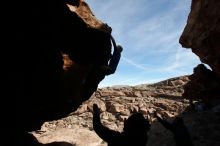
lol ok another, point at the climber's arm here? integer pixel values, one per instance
(113, 63)
(103, 132)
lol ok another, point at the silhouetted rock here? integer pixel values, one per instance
(202, 32)
(44, 34)
(202, 35)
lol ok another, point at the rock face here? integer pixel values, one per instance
(202, 35)
(202, 32)
(118, 103)
(51, 47)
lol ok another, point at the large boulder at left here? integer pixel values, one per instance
(41, 32)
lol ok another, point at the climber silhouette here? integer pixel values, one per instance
(134, 131)
(179, 130)
(113, 63)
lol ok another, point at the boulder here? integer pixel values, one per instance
(202, 32)
(51, 46)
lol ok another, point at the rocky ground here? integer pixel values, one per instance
(117, 103)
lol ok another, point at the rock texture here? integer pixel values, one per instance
(76, 136)
(117, 103)
(42, 84)
(202, 32)
(202, 35)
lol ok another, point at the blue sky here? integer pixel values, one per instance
(149, 32)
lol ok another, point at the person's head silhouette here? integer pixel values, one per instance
(136, 123)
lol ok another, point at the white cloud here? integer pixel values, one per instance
(149, 33)
(129, 61)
